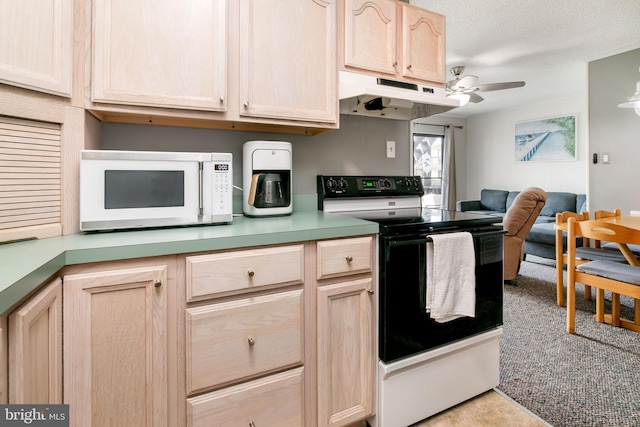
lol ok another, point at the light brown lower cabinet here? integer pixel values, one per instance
(278, 335)
(115, 346)
(35, 348)
(346, 360)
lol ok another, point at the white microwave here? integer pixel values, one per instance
(142, 189)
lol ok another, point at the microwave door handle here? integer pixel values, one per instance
(200, 188)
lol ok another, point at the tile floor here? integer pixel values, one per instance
(490, 409)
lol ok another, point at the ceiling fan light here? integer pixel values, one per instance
(462, 97)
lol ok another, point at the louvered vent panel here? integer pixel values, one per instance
(30, 190)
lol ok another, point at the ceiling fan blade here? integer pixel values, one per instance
(465, 83)
(475, 98)
(499, 86)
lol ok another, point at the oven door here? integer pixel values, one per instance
(405, 327)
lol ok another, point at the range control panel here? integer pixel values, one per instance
(334, 186)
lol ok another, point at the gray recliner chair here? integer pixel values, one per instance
(517, 222)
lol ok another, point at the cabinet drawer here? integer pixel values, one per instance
(234, 272)
(236, 340)
(272, 401)
(344, 256)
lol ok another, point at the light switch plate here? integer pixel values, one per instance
(391, 149)
(605, 158)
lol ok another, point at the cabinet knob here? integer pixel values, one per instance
(409, 67)
(246, 104)
(157, 283)
(222, 99)
(251, 341)
(395, 63)
(250, 273)
(252, 424)
(349, 258)
(370, 291)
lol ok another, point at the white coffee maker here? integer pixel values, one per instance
(266, 178)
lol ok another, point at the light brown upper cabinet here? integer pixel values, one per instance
(247, 65)
(288, 66)
(165, 53)
(393, 38)
(36, 41)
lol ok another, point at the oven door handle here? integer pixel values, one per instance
(423, 238)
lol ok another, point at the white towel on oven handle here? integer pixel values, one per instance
(451, 278)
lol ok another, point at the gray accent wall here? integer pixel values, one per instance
(357, 148)
(615, 131)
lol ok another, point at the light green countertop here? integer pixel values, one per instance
(26, 265)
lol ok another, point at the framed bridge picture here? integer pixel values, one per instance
(546, 140)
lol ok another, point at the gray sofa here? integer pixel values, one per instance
(541, 240)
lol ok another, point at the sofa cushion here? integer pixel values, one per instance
(485, 212)
(545, 219)
(545, 233)
(581, 203)
(494, 200)
(559, 202)
(511, 197)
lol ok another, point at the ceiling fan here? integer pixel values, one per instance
(465, 88)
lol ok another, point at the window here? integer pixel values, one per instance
(427, 163)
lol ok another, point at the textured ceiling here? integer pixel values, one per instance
(546, 43)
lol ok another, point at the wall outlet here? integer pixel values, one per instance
(605, 158)
(391, 149)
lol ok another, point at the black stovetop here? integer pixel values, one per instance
(429, 220)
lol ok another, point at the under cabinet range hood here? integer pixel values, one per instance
(366, 95)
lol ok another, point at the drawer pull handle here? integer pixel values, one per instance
(157, 283)
(370, 291)
(252, 424)
(251, 273)
(349, 258)
(251, 341)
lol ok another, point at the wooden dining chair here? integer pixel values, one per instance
(561, 255)
(615, 277)
(587, 251)
(601, 214)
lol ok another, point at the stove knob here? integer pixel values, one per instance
(386, 183)
(342, 184)
(331, 184)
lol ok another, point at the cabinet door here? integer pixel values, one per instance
(288, 60)
(35, 348)
(166, 53)
(346, 352)
(36, 39)
(423, 44)
(370, 35)
(115, 347)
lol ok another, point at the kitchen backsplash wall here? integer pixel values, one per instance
(357, 148)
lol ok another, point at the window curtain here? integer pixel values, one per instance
(448, 200)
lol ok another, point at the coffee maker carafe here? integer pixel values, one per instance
(267, 178)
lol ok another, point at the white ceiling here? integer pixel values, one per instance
(546, 43)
